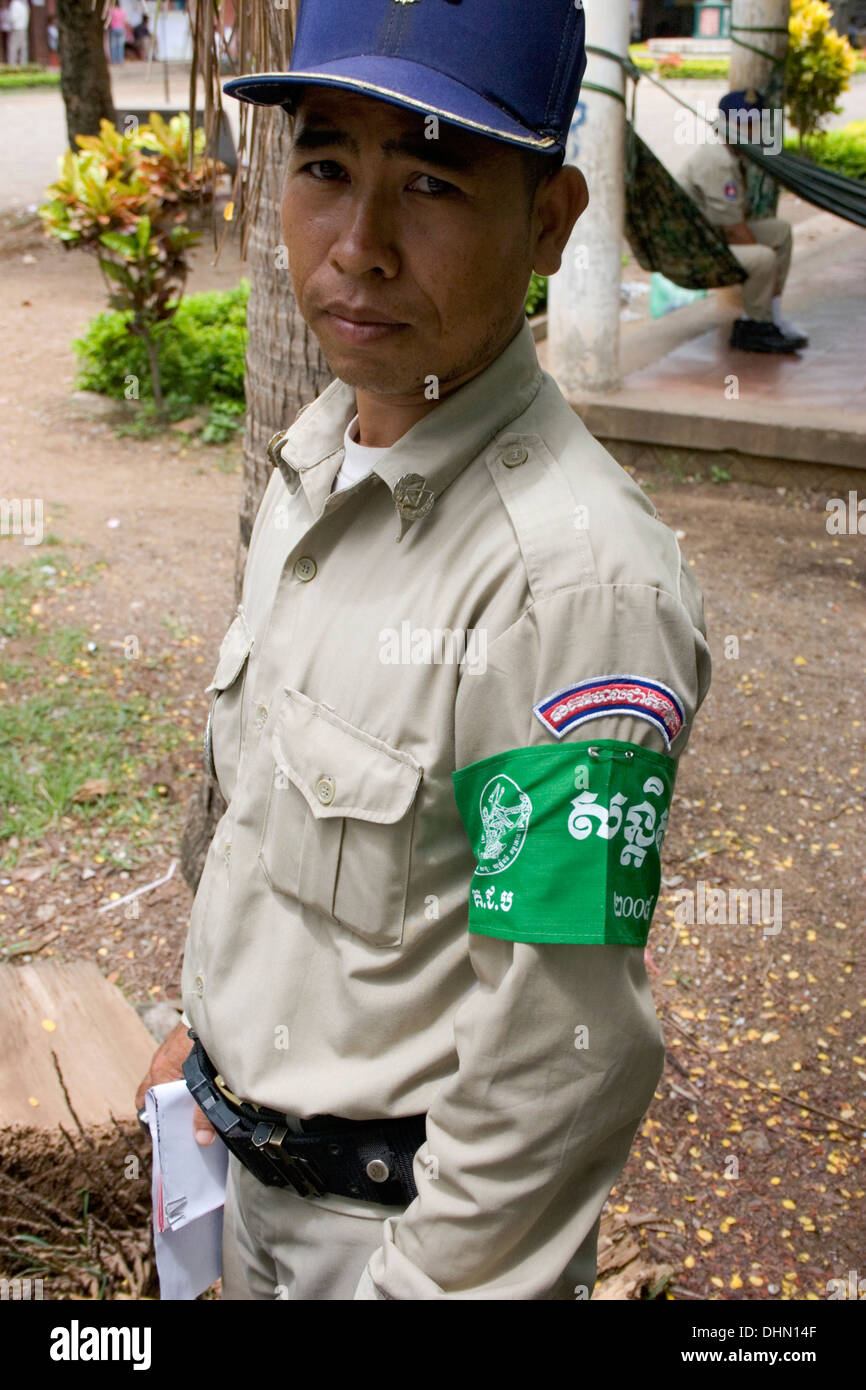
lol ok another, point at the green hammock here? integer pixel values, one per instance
(836, 193)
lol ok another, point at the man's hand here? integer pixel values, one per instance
(167, 1065)
(739, 234)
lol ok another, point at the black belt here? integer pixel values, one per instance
(370, 1160)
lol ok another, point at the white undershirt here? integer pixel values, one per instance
(358, 461)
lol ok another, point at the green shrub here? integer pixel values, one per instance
(843, 151)
(225, 418)
(694, 67)
(13, 79)
(201, 350)
(674, 66)
(536, 295)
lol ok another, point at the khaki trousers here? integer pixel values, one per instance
(767, 265)
(277, 1245)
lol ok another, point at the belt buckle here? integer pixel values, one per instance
(301, 1173)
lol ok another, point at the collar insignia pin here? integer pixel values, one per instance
(413, 499)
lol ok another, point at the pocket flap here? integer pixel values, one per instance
(370, 779)
(235, 648)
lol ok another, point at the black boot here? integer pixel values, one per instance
(749, 335)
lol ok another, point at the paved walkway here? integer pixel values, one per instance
(682, 385)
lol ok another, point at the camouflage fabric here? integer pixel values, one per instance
(667, 230)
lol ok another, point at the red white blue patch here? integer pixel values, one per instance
(730, 191)
(610, 695)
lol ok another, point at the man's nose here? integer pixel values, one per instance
(367, 237)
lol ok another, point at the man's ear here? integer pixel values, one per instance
(561, 201)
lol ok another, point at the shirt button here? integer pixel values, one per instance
(514, 455)
(378, 1171)
(198, 984)
(326, 790)
(305, 568)
(261, 716)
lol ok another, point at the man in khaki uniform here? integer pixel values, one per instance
(715, 176)
(446, 718)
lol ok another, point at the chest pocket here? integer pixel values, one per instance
(222, 739)
(338, 827)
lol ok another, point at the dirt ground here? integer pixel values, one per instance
(747, 1177)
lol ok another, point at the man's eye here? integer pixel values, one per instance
(436, 187)
(328, 169)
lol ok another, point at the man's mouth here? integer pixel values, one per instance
(361, 323)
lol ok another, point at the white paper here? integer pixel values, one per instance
(188, 1193)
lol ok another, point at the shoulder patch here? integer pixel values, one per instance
(603, 695)
(731, 191)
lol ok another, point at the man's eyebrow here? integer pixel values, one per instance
(313, 137)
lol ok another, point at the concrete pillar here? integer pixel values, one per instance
(583, 297)
(761, 24)
(749, 18)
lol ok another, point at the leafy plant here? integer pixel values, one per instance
(201, 351)
(122, 198)
(536, 296)
(843, 150)
(224, 420)
(819, 66)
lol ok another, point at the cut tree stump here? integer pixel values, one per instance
(102, 1047)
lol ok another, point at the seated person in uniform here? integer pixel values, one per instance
(715, 176)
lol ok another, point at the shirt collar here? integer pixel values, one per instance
(428, 457)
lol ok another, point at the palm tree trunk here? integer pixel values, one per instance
(84, 80)
(285, 370)
(285, 366)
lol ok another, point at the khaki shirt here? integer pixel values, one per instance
(715, 178)
(328, 968)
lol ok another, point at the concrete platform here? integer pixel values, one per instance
(683, 386)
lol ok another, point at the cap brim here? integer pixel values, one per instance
(401, 83)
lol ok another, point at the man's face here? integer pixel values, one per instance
(409, 256)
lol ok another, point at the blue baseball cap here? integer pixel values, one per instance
(501, 68)
(747, 100)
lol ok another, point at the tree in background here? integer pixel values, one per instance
(84, 81)
(284, 368)
(819, 67)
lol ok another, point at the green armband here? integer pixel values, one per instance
(567, 841)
